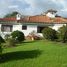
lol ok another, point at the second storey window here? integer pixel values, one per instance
(6, 28)
(24, 27)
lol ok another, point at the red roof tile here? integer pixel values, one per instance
(40, 19)
(37, 19)
(44, 19)
(8, 19)
(60, 20)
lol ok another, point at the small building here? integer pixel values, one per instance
(31, 23)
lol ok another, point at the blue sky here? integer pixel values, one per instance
(33, 7)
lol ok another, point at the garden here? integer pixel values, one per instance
(50, 51)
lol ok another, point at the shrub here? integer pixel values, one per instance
(49, 33)
(10, 42)
(0, 50)
(1, 40)
(7, 36)
(63, 33)
(18, 36)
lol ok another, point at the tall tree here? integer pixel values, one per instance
(13, 14)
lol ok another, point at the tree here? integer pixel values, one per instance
(49, 34)
(0, 50)
(13, 14)
(18, 36)
(1, 41)
(63, 33)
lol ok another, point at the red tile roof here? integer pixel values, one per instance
(44, 19)
(60, 20)
(8, 19)
(37, 19)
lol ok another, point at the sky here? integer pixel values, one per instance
(33, 7)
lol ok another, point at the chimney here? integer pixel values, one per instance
(18, 17)
(51, 13)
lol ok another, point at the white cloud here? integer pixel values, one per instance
(13, 6)
(64, 10)
(33, 7)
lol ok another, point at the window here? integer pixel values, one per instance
(24, 27)
(6, 28)
(39, 29)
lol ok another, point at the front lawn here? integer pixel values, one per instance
(35, 54)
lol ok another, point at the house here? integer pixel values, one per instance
(31, 23)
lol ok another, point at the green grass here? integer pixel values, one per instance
(35, 54)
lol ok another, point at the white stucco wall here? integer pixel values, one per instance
(57, 26)
(17, 27)
(30, 28)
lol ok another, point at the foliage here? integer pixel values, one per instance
(1, 40)
(13, 14)
(63, 33)
(0, 50)
(49, 33)
(10, 42)
(7, 36)
(18, 36)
